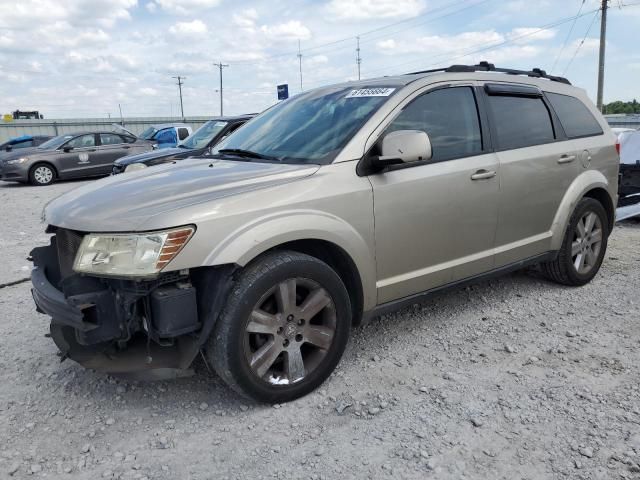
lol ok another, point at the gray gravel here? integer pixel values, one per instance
(514, 378)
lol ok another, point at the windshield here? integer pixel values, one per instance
(148, 133)
(201, 137)
(311, 127)
(55, 142)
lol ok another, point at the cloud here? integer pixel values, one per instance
(374, 9)
(245, 19)
(183, 7)
(291, 30)
(79, 13)
(100, 63)
(435, 44)
(193, 29)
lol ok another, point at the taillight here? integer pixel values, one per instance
(618, 146)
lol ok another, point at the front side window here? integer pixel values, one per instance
(110, 139)
(311, 127)
(55, 142)
(83, 141)
(575, 117)
(207, 132)
(520, 121)
(450, 117)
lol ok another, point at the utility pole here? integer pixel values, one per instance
(358, 59)
(603, 37)
(221, 66)
(180, 83)
(121, 119)
(300, 63)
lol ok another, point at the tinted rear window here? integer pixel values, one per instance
(521, 121)
(575, 117)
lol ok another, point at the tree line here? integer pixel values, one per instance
(622, 107)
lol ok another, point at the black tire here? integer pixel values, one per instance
(226, 348)
(40, 180)
(561, 269)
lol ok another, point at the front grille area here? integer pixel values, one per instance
(68, 243)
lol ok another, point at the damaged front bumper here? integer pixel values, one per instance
(116, 325)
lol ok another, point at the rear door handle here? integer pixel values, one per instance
(483, 174)
(566, 158)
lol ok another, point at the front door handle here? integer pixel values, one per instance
(483, 174)
(566, 158)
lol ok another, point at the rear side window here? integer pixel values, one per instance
(183, 133)
(110, 139)
(575, 117)
(450, 117)
(520, 121)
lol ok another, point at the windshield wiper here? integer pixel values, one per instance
(247, 153)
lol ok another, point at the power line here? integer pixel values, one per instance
(553, 68)
(593, 20)
(363, 34)
(490, 46)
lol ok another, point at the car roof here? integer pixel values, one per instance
(160, 126)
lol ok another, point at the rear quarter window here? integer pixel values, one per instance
(576, 119)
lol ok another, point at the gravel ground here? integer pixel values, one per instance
(514, 378)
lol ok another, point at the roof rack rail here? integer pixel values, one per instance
(490, 67)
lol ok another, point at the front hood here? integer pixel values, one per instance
(21, 152)
(131, 202)
(152, 155)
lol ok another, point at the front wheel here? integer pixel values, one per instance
(284, 328)
(41, 174)
(583, 247)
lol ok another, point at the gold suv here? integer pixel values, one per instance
(337, 204)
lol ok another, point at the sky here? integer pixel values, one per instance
(84, 58)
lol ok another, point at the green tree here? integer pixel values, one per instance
(622, 107)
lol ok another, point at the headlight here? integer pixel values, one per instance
(16, 161)
(132, 167)
(130, 255)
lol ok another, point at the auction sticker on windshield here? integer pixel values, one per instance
(370, 92)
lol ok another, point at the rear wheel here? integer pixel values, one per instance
(41, 174)
(284, 328)
(583, 247)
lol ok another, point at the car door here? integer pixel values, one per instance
(76, 157)
(112, 147)
(537, 165)
(435, 221)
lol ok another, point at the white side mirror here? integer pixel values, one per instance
(405, 146)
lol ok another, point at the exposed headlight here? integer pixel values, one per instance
(15, 161)
(132, 167)
(130, 255)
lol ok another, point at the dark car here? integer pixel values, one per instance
(24, 141)
(195, 145)
(74, 155)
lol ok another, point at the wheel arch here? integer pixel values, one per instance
(592, 184)
(321, 235)
(339, 261)
(48, 164)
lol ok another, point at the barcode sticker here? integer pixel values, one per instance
(370, 92)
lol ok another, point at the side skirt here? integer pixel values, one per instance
(421, 297)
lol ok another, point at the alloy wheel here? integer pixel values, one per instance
(43, 175)
(290, 331)
(587, 242)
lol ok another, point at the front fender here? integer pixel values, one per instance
(249, 241)
(585, 182)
